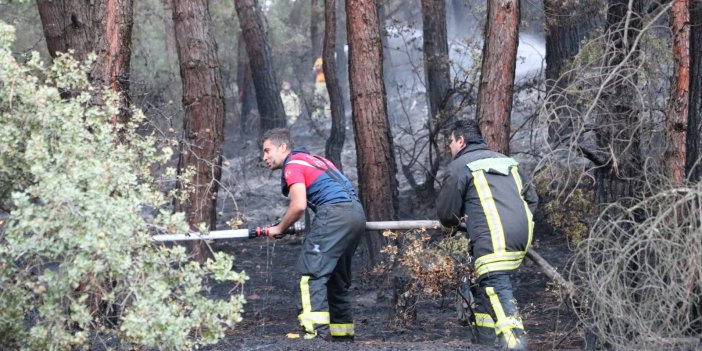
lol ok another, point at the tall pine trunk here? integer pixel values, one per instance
(618, 131)
(270, 106)
(694, 124)
(678, 104)
(103, 27)
(203, 123)
(247, 91)
(374, 144)
(337, 136)
(497, 73)
(568, 24)
(438, 80)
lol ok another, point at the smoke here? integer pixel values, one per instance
(403, 55)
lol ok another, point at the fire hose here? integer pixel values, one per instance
(299, 228)
(467, 303)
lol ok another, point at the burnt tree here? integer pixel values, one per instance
(247, 91)
(270, 106)
(497, 73)
(438, 84)
(203, 123)
(567, 24)
(67, 24)
(342, 61)
(678, 104)
(103, 27)
(337, 135)
(694, 124)
(374, 144)
(618, 131)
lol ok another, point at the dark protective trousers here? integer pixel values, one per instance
(496, 314)
(325, 268)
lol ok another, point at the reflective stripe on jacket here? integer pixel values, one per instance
(485, 188)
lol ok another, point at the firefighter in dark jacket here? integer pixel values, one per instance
(485, 190)
(324, 264)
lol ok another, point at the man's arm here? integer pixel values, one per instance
(529, 194)
(296, 208)
(449, 204)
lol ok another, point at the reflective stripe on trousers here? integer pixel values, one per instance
(496, 312)
(325, 268)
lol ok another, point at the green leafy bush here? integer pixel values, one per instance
(76, 262)
(568, 208)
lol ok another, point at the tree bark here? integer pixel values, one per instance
(342, 61)
(68, 25)
(694, 125)
(436, 57)
(247, 91)
(103, 27)
(676, 124)
(374, 144)
(270, 106)
(337, 135)
(497, 73)
(203, 123)
(567, 24)
(438, 83)
(113, 47)
(618, 123)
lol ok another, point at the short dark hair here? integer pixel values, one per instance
(278, 136)
(466, 128)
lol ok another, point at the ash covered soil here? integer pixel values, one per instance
(252, 192)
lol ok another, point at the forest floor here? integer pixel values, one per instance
(271, 313)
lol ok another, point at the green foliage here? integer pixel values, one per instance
(76, 261)
(566, 214)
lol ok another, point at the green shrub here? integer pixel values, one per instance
(76, 261)
(568, 208)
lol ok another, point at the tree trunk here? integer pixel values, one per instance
(436, 57)
(342, 60)
(374, 144)
(247, 91)
(438, 81)
(567, 25)
(103, 27)
(337, 135)
(68, 25)
(676, 124)
(113, 47)
(694, 142)
(203, 123)
(270, 106)
(619, 124)
(497, 73)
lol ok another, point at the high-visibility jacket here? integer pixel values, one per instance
(485, 189)
(318, 71)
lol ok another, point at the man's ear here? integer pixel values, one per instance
(461, 141)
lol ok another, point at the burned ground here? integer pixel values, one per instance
(271, 312)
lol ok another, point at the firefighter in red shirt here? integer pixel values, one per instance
(324, 264)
